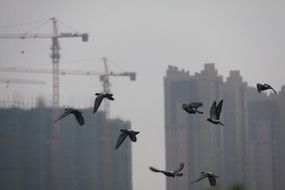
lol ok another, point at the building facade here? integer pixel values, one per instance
(87, 156)
(247, 150)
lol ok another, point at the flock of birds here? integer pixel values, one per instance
(98, 100)
(191, 108)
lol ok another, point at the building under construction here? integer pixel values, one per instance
(88, 159)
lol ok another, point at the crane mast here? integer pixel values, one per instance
(55, 51)
(106, 86)
(55, 56)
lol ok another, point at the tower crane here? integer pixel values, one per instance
(107, 85)
(55, 56)
(103, 76)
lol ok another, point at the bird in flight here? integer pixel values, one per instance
(192, 108)
(211, 177)
(124, 133)
(170, 173)
(215, 112)
(262, 87)
(78, 115)
(99, 98)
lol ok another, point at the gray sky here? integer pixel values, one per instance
(146, 37)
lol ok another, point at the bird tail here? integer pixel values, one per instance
(274, 91)
(109, 96)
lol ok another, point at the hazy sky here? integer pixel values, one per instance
(145, 37)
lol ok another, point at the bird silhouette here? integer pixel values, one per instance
(262, 87)
(215, 112)
(170, 173)
(124, 133)
(192, 108)
(99, 98)
(211, 177)
(78, 115)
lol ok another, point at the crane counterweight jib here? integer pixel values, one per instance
(132, 75)
(22, 81)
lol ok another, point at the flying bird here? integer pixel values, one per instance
(215, 112)
(262, 87)
(170, 173)
(211, 177)
(124, 133)
(78, 115)
(192, 108)
(99, 98)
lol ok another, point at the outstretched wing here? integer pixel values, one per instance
(154, 169)
(202, 177)
(97, 102)
(213, 113)
(121, 138)
(212, 180)
(270, 87)
(63, 115)
(267, 86)
(219, 109)
(79, 117)
(180, 167)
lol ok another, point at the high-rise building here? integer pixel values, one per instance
(247, 150)
(188, 137)
(87, 161)
(234, 112)
(280, 142)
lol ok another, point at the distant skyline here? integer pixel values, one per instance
(145, 37)
(248, 149)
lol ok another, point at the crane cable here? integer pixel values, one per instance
(36, 27)
(22, 24)
(67, 26)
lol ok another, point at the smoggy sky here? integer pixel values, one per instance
(145, 37)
